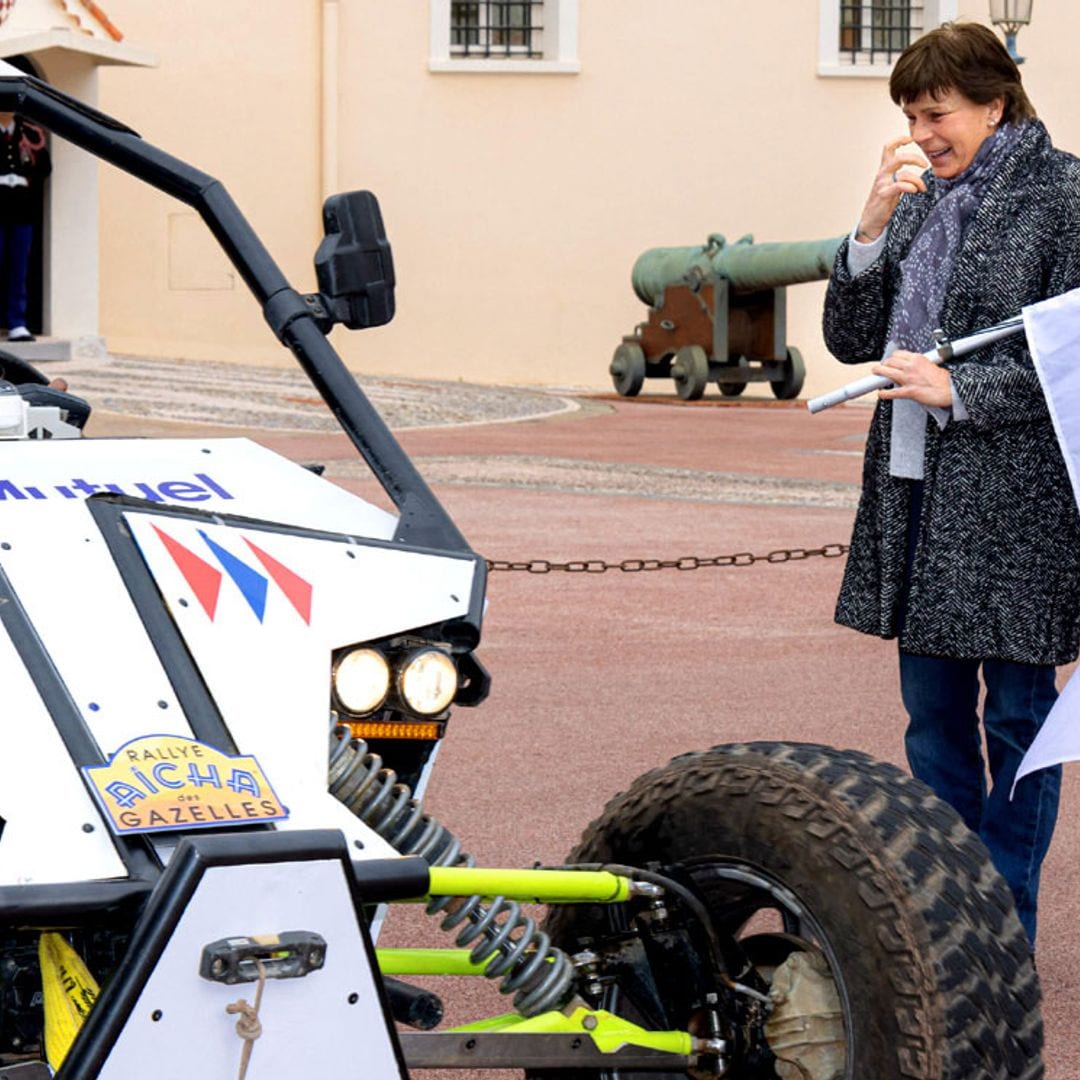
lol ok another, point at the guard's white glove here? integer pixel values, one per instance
(14, 180)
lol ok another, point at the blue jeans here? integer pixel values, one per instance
(944, 750)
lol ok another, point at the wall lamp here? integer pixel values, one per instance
(1010, 15)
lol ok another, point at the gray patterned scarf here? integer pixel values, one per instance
(925, 275)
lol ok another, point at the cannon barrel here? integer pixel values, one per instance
(748, 267)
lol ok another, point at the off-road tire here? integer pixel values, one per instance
(934, 968)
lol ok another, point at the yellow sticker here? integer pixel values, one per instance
(166, 782)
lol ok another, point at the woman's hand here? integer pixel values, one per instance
(915, 377)
(889, 185)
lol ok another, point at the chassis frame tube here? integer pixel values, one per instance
(539, 886)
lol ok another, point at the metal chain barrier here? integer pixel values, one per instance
(685, 562)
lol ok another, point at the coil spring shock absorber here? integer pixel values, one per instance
(500, 936)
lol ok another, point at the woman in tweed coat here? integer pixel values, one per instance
(967, 539)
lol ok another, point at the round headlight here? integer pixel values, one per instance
(428, 681)
(361, 680)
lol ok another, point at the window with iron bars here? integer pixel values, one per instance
(489, 29)
(877, 31)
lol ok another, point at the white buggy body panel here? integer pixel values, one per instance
(234, 476)
(260, 605)
(325, 1024)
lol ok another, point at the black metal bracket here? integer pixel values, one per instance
(26, 1070)
(316, 305)
(502, 1050)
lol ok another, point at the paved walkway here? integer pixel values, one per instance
(599, 677)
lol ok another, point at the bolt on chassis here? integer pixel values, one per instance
(224, 680)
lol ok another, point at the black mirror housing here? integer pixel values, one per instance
(353, 264)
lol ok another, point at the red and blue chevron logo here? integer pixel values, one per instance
(205, 579)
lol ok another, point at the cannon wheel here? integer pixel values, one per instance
(790, 385)
(734, 389)
(627, 369)
(889, 938)
(690, 372)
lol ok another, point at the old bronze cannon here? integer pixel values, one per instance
(718, 313)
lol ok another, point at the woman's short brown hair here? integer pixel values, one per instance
(967, 57)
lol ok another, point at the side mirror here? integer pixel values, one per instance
(353, 265)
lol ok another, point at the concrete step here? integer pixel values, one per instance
(86, 347)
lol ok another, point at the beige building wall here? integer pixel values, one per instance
(515, 204)
(235, 94)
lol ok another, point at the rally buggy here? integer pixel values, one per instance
(209, 763)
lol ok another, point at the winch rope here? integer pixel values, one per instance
(248, 1026)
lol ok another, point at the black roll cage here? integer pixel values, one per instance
(423, 521)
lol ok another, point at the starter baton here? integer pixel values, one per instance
(942, 351)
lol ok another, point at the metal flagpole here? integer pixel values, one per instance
(942, 351)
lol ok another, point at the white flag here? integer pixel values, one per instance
(1053, 334)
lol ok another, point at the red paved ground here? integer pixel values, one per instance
(599, 678)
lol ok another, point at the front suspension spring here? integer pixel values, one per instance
(501, 937)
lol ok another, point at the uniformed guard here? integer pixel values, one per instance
(24, 164)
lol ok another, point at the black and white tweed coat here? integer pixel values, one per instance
(996, 572)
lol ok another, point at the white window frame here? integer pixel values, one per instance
(560, 44)
(830, 63)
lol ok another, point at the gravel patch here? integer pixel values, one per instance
(283, 399)
(613, 478)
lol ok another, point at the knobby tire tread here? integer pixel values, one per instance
(953, 958)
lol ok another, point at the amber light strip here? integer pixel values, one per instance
(404, 729)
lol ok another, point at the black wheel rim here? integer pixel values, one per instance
(735, 892)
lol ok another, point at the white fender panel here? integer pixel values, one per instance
(43, 801)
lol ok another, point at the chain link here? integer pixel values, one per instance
(686, 562)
